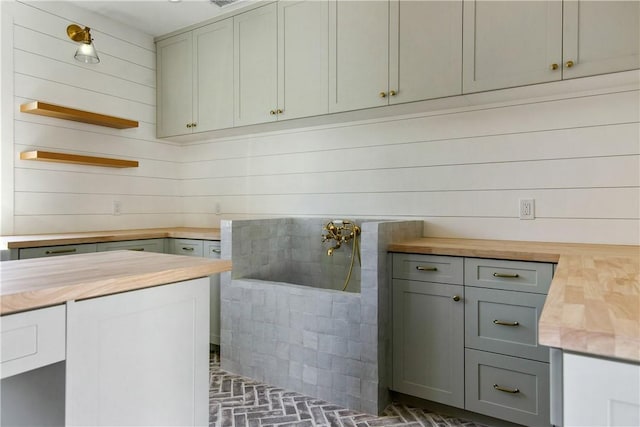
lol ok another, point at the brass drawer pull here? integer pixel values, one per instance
(503, 323)
(60, 251)
(506, 276)
(216, 251)
(188, 249)
(506, 390)
(137, 249)
(421, 268)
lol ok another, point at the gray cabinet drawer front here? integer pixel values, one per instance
(508, 275)
(188, 247)
(32, 339)
(487, 373)
(504, 322)
(212, 250)
(48, 251)
(145, 245)
(429, 268)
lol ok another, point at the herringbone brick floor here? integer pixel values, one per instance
(236, 401)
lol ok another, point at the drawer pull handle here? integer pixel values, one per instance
(216, 251)
(188, 249)
(421, 268)
(506, 390)
(137, 249)
(506, 275)
(60, 251)
(503, 323)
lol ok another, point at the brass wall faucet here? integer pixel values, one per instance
(342, 231)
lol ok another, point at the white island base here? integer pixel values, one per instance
(135, 358)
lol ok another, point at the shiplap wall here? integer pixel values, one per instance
(52, 197)
(462, 171)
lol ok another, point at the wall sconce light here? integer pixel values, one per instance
(86, 51)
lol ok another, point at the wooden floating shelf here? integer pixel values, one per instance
(59, 112)
(47, 156)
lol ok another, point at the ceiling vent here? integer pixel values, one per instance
(223, 3)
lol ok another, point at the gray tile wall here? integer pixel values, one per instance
(325, 343)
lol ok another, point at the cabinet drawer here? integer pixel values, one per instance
(428, 268)
(506, 387)
(188, 247)
(47, 251)
(32, 339)
(212, 249)
(146, 245)
(504, 322)
(508, 275)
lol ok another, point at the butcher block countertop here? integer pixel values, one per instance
(36, 240)
(593, 305)
(40, 282)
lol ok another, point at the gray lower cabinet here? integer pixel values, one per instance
(189, 247)
(49, 251)
(428, 329)
(465, 333)
(144, 245)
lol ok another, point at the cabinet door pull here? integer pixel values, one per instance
(554, 66)
(422, 268)
(194, 125)
(504, 323)
(137, 249)
(188, 249)
(216, 251)
(189, 125)
(279, 111)
(569, 64)
(456, 298)
(60, 251)
(506, 275)
(383, 94)
(392, 93)
(272, 112)
(506, 390)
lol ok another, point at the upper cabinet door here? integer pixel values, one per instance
(213, 76)
(600, 37)
(303, 55)
(425, 50)
(511, 43)
(256, 65)
(359, 54)
(175, 82)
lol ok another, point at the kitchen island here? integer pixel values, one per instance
(120, 337)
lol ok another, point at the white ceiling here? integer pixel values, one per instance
(158, 17)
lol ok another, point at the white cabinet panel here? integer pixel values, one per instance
(600, 37)
(359, 54)
(511, 43)
(140, 358)
(425, 50)
(303, 54)
(256, 66)
(213, 76)
(31, 340)
(175, 85)
(600, 392)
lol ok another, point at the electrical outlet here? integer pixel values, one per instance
(117, 207)
(218, 208)
(527, 208)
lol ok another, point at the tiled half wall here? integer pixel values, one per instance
(284, 323)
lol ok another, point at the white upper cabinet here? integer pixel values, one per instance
(511, 43)
(256, 65)
(213, 76)
(195, 80)
(600, 37)
(303, 55)
(425, 50)
(175, 81)
(359, 54)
